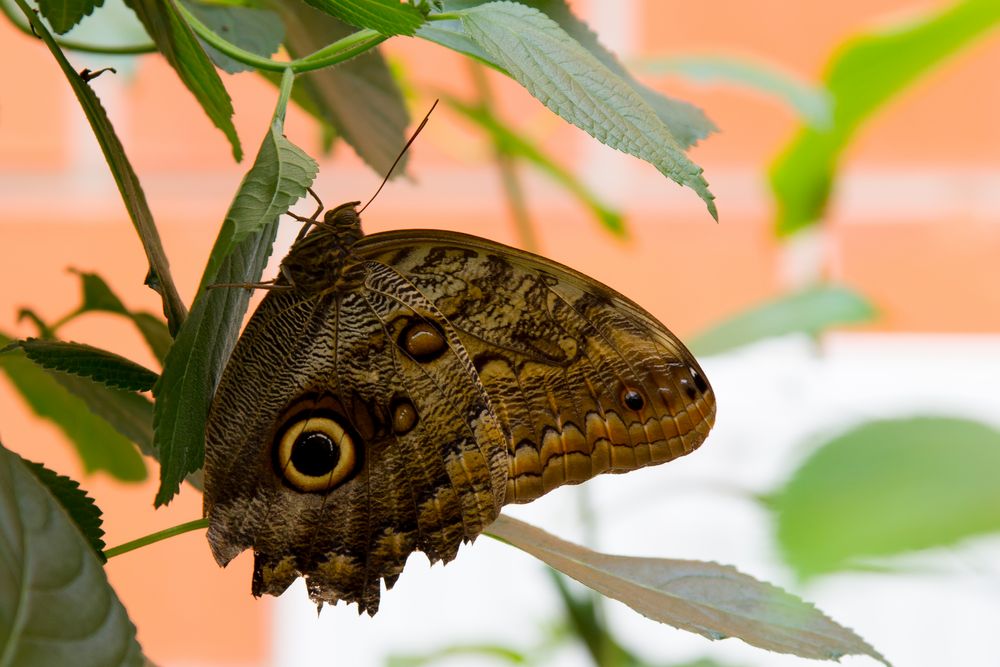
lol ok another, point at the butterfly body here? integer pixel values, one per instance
(394, 391)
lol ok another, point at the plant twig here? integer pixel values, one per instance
(180, 529)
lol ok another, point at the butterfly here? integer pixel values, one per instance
(392, 392)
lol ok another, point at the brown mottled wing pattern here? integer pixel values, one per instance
(461, 374)
(583, 380)
(428, 487)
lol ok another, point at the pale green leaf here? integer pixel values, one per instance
(686, 122)
(810, 311)
(810, 101)
(575, 85)
(715, 601)
(864, 74)
(889, 487)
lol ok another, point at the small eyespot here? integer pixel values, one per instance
(315, 454)
(632, 399)
(689, 391)
(423, 341)
(699, 380)
(404, 416)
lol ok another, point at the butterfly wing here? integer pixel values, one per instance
(427, 465)
(447, 376)
(583, 380)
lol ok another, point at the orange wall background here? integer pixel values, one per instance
(913, 227)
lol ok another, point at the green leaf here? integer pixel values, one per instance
(810, 311)
(279, 176)
(80, 507)
(686, 122)
(155, 331)
(889, 487)
(121, 169)
(98, 297)
(715, 601)
(105, 367)
(864, 74)
(500, 654)
(99, 445)
(575, 85)
(56, 605)
(389, 17)
(259, 31)
(62, 15)
(811, 102)
(510, 142)
(179, 45)
(359, 98)
(129, 413)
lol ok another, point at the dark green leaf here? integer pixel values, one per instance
(121, 169)
(389, 17)
(44, 330)
(80, 507)
(258, 31)
(811, 102)
(56, 606)
(888, 487)
(574, 84)
(865, 73)
(99, 445)
(810, 311)
(510, 142)
(280, 175)
(98, 297)
(359, 98)
(105, 367)
(129, 413)
(179, 45)
(155, 331)
(62, 15)
(686, 122)
(713, 600)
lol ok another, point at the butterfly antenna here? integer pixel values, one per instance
(400, 156)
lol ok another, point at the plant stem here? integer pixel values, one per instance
(156, 537)
(338, 52)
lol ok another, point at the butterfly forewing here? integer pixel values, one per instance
(583, 380)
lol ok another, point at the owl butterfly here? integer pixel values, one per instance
(392, 392)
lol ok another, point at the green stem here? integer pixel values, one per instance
(338, 52)
(156, 537)
(131, 50)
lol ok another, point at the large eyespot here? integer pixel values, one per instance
(316, 454)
